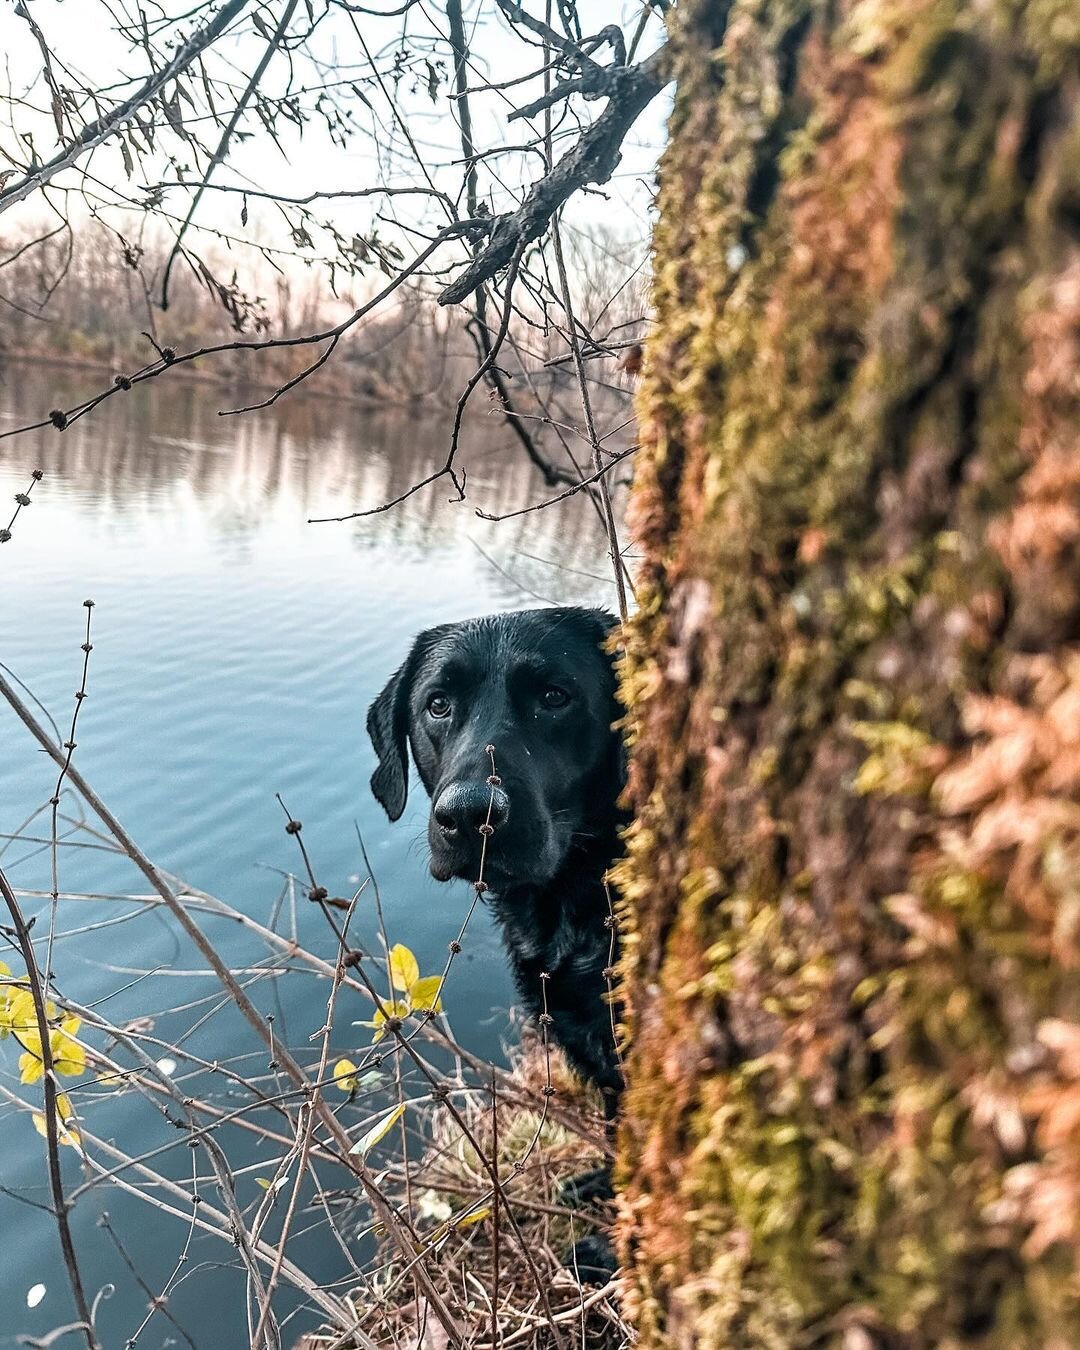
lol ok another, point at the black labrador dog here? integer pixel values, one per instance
(510, 721)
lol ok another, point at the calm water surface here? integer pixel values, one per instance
(235, 651)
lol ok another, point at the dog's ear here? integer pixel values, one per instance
(597, 626)
(388, 727)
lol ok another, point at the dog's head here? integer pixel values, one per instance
(539, 689)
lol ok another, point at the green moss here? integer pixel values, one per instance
(897, 761)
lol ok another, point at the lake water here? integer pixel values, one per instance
(236, 649)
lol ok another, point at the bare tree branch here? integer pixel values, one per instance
(562, 496)
(593, 159)
(226, 137)
(94, 133)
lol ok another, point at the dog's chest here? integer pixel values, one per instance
(560, 953)
(558, 958)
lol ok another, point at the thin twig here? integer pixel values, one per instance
(54, 801)
(94, 133)
(52, 1133)
(595, 477)
(226, 137)
(586, 407)
(255, 1019)
(22, 500)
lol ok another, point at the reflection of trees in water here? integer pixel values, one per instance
(142, 451)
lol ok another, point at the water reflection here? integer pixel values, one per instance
(236, 648)
(166, 448)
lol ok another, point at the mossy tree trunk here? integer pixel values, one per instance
(852, 893)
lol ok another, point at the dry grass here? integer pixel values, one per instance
(484, 1260)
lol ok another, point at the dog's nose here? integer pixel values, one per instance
(463, 808)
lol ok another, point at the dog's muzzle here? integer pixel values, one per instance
(465, 822)
(465, 809)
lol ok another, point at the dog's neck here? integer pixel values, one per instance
(562, 920)
(562, 942)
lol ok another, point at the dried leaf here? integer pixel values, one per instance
(379, 1130)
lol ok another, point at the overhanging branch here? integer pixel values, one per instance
(109, 123)
(593, 159)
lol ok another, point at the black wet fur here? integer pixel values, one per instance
(592, 1259)
(560, 772)
(587, 1188)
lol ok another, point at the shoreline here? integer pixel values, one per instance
(187, 372)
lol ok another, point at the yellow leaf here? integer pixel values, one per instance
(424, 994)
(404, 971)
(379, 1130)
(399, 1008)
(23, 1016)
(262, 1181)
(68, 1055)
(66, 1131)
(466, 1221)
(477, 1216)
(30, 1067)
(345, 1075)
(4, 969)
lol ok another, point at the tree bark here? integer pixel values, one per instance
(851, 898)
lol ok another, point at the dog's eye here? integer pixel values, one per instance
(554, 697)
(438, 705)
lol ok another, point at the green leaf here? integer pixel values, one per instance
(404, 970)
(379, 1130)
